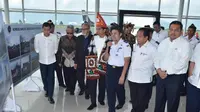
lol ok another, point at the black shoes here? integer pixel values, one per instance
(46, 94)
(91, 107)
(51, 101)
(87, 97)
(66, 90)
(119, 106)
(71, 93)
(62, 85)
(102, 103)
(81, 92)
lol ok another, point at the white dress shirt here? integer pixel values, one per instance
(173, 57)
(142, 67)
(118, 52)
(46, 47)
(193, 41)
(99, 43)
(195, 78)
(153, 42)
(160, 36)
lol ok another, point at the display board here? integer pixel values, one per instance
(20, 44)
(5, 74)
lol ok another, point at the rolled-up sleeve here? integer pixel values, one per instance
(36, 44)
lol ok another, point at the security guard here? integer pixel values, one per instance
(118, 53)
(141, 71)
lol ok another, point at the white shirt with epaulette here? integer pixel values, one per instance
(118, 52)
(142, 64)
(193, 41)
(195, 78)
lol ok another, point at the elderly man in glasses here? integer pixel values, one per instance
(66, 54)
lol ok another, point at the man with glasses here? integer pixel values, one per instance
(82, 44)
(171, 62)
(66, 56)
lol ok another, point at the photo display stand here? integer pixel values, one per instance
(10, 104)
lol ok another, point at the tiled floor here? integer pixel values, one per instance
(36, 102)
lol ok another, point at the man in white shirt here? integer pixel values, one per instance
(193, 86)
(171, 62)
(46, 44)
(158, 35)
(191, 37)
(58, 68)
(141, 71)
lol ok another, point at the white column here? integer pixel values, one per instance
(188, 8)
(86, 10)
(97, 5)
(6, 11)
(118, 11)
(56, 19)
(180, 12)
(23, 15)
(159, 4)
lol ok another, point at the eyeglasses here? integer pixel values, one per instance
(69, 33)
(85, 28)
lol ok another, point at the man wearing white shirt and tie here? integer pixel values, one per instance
(193, 86)
(171, 62)
(158, 35)
(46, 44)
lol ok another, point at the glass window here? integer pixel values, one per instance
(194, 8)
(110, 19)
(72, 5)
(39, 4)
(165, 22)
(195, 22)
(15, 3)
(69, 19)
(91, 5)
(185, 7)
(38, 18)
(16, 17)
(139, 5)
(105, 5)
(1, 4)
(169, 7)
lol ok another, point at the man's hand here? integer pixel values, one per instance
(75, 66)
(121, 80)
(162, 74)
(109, 44)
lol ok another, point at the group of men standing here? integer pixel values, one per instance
(118, 57)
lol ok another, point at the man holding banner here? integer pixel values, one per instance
(46, 44)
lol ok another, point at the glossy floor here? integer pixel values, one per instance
(36, 102)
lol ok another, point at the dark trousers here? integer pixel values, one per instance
(184, 83)
(59, 74)
(168, 89)
(193, 98)
(70, 77)
(140, 95)
(80, 75)
(113, 87)
(92, 87)
(47, 73)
